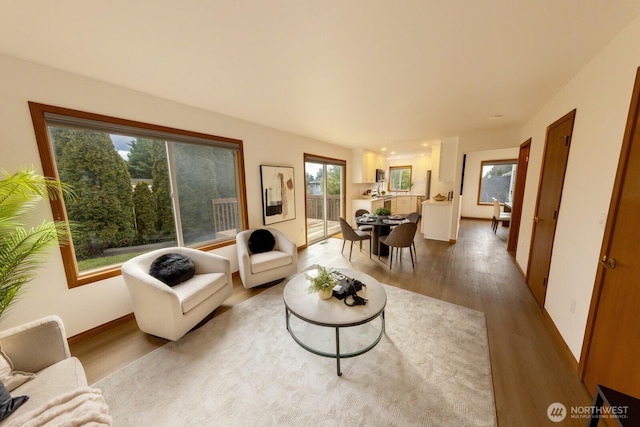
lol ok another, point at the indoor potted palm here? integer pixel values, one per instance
(321, 281)
(22, 248)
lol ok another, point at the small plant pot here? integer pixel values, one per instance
(326, 294)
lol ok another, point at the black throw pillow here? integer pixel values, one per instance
(172, 269)
(9, 404)
(261, 241)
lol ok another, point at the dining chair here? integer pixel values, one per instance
(498, 215)
(352, 235)
(414, 217)
(400, 237)
(359, 213)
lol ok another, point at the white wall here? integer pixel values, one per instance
(88, 306)
(601, 93)
(469, 206)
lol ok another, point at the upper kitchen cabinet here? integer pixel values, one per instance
(364, 166)
(448, 155)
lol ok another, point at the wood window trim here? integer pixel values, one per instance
(45, 150)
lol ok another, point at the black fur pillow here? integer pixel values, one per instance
(172, 269)
(9, 404)
(261, 241)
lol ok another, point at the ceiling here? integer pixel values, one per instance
(355, 73)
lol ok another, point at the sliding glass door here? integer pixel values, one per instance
(324, 179)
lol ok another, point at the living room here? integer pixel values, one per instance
(599, 89)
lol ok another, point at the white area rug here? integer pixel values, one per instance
(243, 369)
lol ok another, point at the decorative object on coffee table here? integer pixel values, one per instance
(321, 281)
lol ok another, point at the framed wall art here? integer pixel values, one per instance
(278, 194)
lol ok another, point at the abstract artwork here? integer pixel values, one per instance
(278, 194)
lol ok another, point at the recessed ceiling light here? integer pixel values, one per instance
(496, 117)
(426, 144)
(393, 152)
(383, 149)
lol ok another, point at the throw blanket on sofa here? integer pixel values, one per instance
(84, 406)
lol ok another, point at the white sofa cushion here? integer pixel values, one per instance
(62, 377)
(269, 260)
(199, 288)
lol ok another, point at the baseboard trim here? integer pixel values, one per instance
(558, 337)
(99, 329)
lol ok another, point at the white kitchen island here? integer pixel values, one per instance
(436, 220)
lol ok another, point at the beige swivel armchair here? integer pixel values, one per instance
(260, 268)
(170, 312)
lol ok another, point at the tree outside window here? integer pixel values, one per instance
(135, 192)
(497, 180)
(400, 178)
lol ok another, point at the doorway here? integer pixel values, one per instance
(611, 348)
(324, 201)
(554, 165)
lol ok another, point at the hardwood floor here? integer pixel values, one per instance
(530, 366)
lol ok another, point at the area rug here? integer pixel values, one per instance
(243, 368)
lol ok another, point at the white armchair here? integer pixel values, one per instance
(260, 268)
(170, 312)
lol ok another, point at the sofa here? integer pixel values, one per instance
(41, 347)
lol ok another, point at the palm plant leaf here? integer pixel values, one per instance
(23, 250)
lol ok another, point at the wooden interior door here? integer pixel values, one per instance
(611, 349)
(556, 155)
(518, 196)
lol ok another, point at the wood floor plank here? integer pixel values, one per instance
(530, 366)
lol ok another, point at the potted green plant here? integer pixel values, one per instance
(382, 212)
(22, 248)
(321, 281)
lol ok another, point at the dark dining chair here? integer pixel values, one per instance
(363, 227)
(414, 217)
(400, 237)
(352, 235)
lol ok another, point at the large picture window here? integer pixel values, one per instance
(497, 181)
(137, 187)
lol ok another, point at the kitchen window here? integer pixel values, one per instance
(400, 178)
(138, 187)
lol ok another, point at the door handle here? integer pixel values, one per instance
(536, 219)
(608, 263)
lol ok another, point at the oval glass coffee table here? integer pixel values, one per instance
(330, 328)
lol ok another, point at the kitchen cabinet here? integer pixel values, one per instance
(364, 165)
(394, 205)
(436, 220)
(375, 204)
(368, 204)
(404, 205)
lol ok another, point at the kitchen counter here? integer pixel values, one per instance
(432, 202)
(436, 219)
(388, 196)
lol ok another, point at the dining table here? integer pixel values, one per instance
(381, 226)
